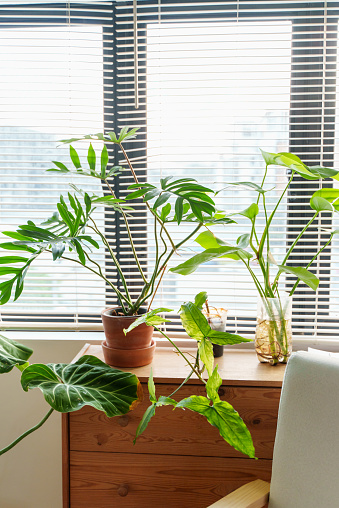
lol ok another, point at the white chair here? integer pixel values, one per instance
(305, 471)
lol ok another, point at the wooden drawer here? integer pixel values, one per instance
(159, 481)
(178, 432)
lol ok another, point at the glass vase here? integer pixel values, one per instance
(217, 320)
(273, 335)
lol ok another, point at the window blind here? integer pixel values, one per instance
(208, 84)
(56, 83)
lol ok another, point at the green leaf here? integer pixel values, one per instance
(321, 172)
(7, 260)
(193, 263)
(6, 291)
(208, 240)
(161, 199)
(151, 194)
(91, 157)
(213, 384)
(12, 354)
(200, 299)
(194, 322)
(163, 181)
(17, 246)
(104, 161)
(150, 319)
(80, 251)
(165, 211)
(61, 167)
(179, 209)
(206, 354)
(304, 275)
(250, 212)
(247, 185)
(74, 157)
(318, 204)
(150, 411)
(330, 194)
(136, 194)
(89, 381)
(243, 241)
(225, 338)
(223, 416)
(151, 388)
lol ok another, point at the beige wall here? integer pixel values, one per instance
(30, 473)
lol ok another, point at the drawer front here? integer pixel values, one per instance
(179, 432)
(105, 480)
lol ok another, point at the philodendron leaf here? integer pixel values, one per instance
(89, 381)
(206, 354)
(243, 241)
(151, 388)
(150, 319)
(150, 411)
(197, 327)
(247, 185)
(320, 204)
(250, 212)
(200, 299)
(224, 338)
(223, 416)
(207, 240)
(329, 194)
(193, 263)
(13, 354)
(194, 322)
(213, 384)
(304, 275)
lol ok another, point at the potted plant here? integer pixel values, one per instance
(273, 340)
(73, 227)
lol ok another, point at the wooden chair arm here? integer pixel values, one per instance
(252, 495)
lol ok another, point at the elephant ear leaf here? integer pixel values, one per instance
(13, 354)
(89, 381)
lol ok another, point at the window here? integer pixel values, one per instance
(208, 84)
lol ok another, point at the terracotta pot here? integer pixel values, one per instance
(128, 357)
(138, 338)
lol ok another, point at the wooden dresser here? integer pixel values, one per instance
(180, 461)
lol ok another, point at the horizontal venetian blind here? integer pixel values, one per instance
(208, 84)
(56, 82)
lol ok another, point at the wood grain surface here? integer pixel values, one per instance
(142, 481)
(176, 431)
(237, 367)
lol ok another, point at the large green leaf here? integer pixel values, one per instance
(304, 275)
(12, 354)
(193, 263)
(89, 381)
(197, 327)
(194, 322)
(320, 204)
(222, 415)
(250, 212)
(150, 319)
(330, 194)
(200, 299)
(207, 240)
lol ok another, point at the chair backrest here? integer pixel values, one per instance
(306, 451)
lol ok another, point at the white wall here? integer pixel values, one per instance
(30, 473)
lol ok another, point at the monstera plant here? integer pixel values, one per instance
(69, 387)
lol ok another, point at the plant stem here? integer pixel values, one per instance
(118, 293)
(263, 238)
(36, 427)
(292, 247)
(309, 264)
(116, 262)
(197, 373)
(129, 236)
(149, 208)
(156, 289)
